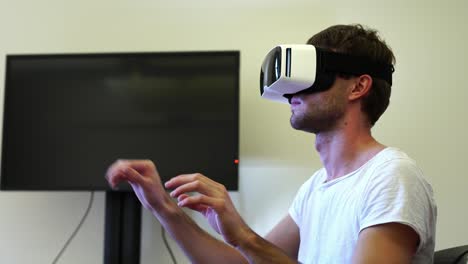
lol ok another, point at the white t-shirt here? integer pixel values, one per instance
(388, 188)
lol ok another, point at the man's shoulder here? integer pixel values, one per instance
(394, 167)
(394, 160)
(393, 154)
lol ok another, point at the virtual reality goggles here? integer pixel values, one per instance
(291, 69)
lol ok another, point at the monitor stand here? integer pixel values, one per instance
(122, 228)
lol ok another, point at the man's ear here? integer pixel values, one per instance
(361, 87)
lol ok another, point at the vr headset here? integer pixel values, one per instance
(291, 69)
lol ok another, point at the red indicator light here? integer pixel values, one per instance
(236, 161)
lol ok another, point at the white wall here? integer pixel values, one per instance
(426, 116)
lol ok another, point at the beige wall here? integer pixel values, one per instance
(426, 117)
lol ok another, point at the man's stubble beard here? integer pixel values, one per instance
(320, 117)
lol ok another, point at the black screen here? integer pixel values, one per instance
(68, 117)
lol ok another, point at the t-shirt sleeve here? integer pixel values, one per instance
(300, 200)
(397, 193)
(295, 210)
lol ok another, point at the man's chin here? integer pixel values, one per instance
(303, 127)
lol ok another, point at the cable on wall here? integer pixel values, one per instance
(163, 234)
(91, 199)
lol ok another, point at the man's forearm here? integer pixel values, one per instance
(258, 250)
(198, 245)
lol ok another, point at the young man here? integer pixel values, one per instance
(369, 204)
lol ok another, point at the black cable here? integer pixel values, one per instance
(91, 199)
(163, 234)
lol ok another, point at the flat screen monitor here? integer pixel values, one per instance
(67, 117)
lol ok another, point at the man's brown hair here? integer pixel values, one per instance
(360, 41)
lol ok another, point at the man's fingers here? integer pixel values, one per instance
(194, 186)
(183, 179)
(118, 170)
(202, 201)
(142, 166)
(122, 173)
(178, 180)
(202, 181)
(134, 176)
(182, 196)
(196, 207)
(114, 178)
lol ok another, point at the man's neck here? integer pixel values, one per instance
(345, 150)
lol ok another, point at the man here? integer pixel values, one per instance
(369, 204)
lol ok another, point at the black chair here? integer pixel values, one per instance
(455, 255)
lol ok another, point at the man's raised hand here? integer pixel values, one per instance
(212, 200)
(144, 178)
